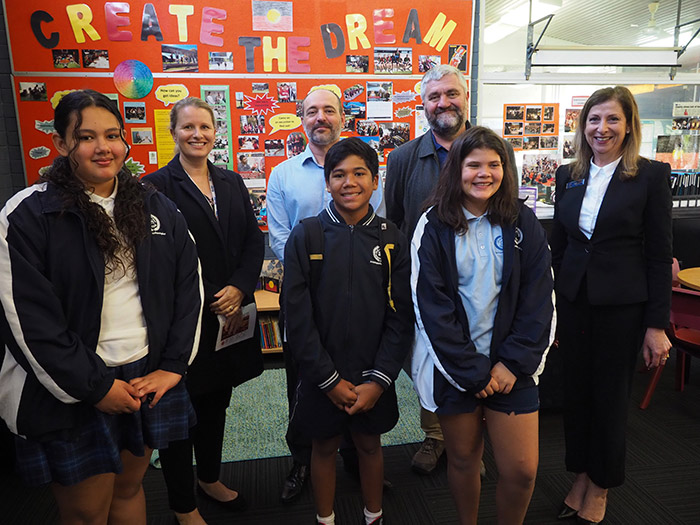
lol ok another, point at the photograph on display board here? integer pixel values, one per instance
(240, 98)
(221, 142)
(532, 128)
(515, 112)
(393, 134)
(548, 113)
(219, 157)
(548, 128)
(513, 128)
(296, 142)
(549, 142)
(571, 120)
(357, 63)
(531, 143)
(680, 151)
(287, 91)
(179, 58)
(457, 56)
(220, 111)
(353, 92)
(516, 142)
(252, 124)
(96, 58)
(393, 61)
(215, 97)
(533, 113)
(274, 148)
(367, 128)
(221, 61)
(260, 87)
(248, 142)
(686, 123)
(251, 165)
(134, 112)
(221, 127)
(66, 58)
(428, 62)
(141, 136)
(29, 91)
(569, 152)
(538, 171)
(258, 200)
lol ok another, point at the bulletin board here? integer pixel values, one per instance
(252, 60)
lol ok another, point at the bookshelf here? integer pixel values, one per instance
(268, 311)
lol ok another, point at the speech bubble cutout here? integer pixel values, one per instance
(284, 121)
(404, 96)
(403, 112)
(45, 126)
(39, 153)
(56, 97)
(171, 93)
(260, 105)
(416, 88)
(329, 87)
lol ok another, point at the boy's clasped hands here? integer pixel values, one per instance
(502, 381)
(355, 399)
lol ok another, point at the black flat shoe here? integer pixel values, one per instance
(238, 503)
(566, 512)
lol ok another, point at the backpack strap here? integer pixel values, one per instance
(313, 241)
(387, 238)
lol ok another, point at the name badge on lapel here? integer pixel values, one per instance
(574, 183)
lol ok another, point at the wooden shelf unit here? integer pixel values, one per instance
(268, 302)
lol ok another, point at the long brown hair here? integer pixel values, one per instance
(129, 212)
(631, 143)
(448, 196)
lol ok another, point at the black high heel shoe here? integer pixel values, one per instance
(566, 512)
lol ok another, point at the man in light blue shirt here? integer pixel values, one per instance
(297, 190)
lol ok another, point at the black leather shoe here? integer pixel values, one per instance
(239, 503)
(566, 512)
(294, 483)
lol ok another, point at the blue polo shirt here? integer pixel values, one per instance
(479, 256)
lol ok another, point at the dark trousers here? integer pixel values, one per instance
(206, 437)
(599, 345)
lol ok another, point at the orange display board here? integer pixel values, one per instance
(252, 61)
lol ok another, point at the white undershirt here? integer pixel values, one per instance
(598, 182)
(123, 336)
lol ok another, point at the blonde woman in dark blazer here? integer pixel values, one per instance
(230, 246)
(612, 254)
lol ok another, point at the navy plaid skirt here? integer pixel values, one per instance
(101, 439)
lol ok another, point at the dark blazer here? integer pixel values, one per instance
(629, 256)
(231, 251)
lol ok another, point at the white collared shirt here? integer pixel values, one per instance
(598, 182)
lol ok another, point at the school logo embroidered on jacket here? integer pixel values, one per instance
(518, 237)
(377, 254)
(155, 226)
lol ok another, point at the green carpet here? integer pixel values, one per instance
(256, 420)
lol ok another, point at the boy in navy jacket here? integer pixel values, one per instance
(349, 324)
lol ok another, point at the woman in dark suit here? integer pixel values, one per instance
(217, 208)
(612, 254)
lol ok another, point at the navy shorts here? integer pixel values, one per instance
(102, 437)
(524, 400)
(316, 417)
